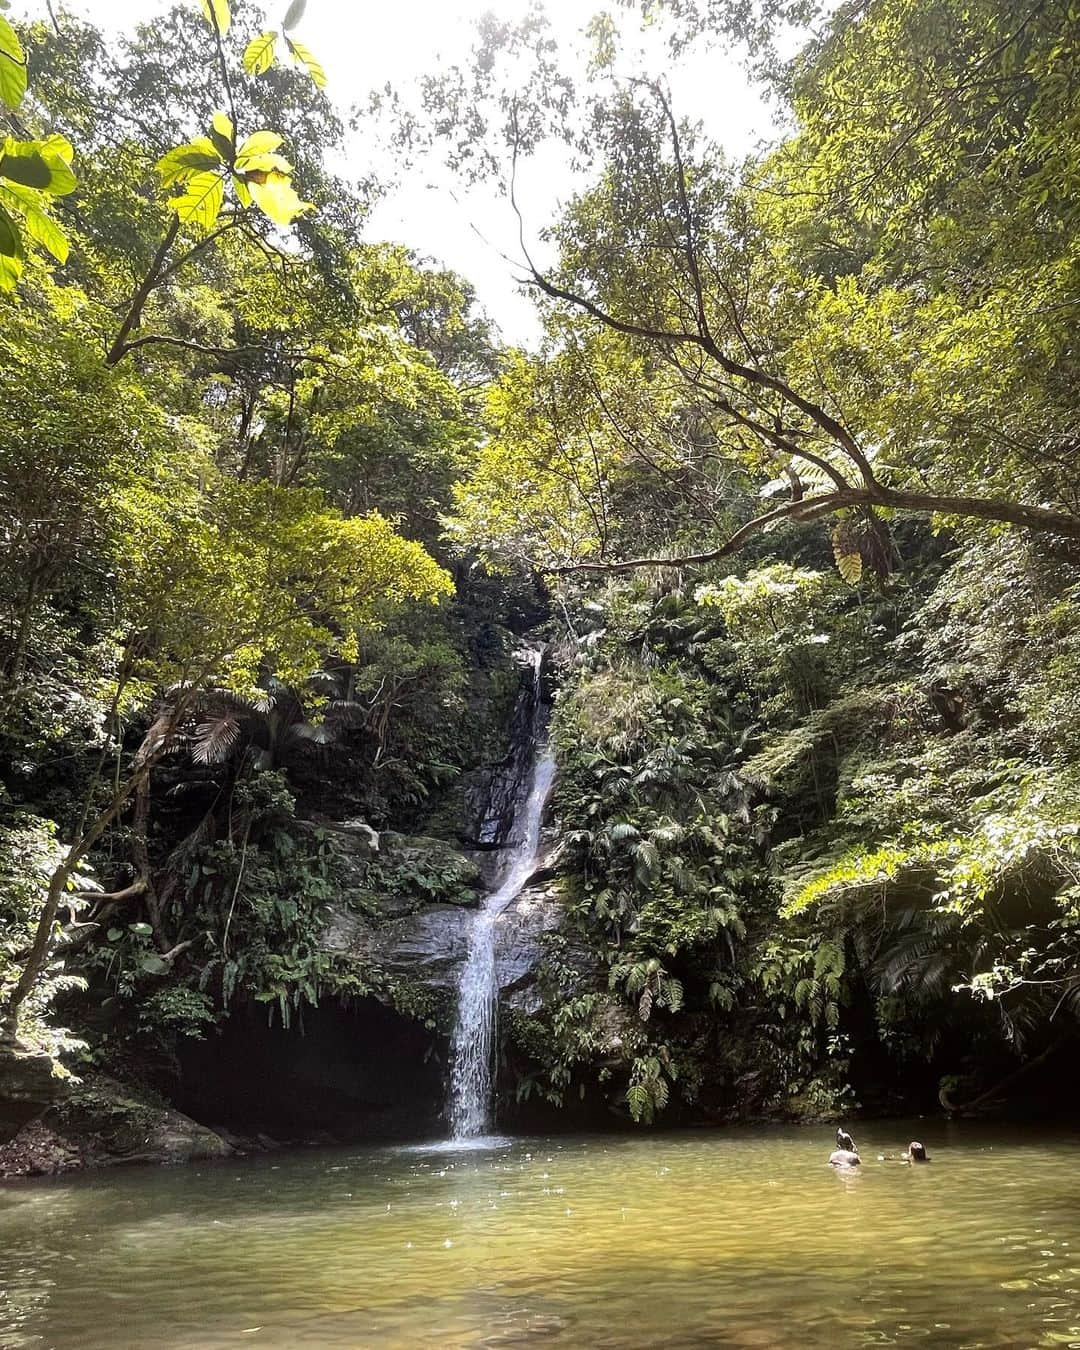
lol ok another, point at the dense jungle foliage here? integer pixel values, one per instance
(789, 485)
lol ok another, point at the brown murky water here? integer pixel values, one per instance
(710, 1238)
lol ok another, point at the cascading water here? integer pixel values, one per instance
(473, 1046)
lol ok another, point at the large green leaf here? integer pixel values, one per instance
(259, 53)
(44, 230)
(34, 164)
(202, 200)
(12, 66)
(243, 193)
(25, 164)
(198, 155)
(259, 143)
(59, 146)
(10, 242)
(38, 224)
(217, 14)
(263, 164)
(307, 59)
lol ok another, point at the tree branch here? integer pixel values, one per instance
(809, 508)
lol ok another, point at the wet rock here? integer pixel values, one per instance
(429, 869)
(358, 835)
(430, 945)
(37, 1151)
(427, 946)
(519, 942)
(494, 793)
(356, 838)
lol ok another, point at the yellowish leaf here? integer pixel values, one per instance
(202, 200)
(217, 14)
(259, 143)
(307, 59)
(275, 195)
(259, 53)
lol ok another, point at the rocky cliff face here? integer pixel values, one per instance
(428, 946)
(419, 940)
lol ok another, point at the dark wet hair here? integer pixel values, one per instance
(917, 1151)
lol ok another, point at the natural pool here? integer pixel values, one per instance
(706, 1238)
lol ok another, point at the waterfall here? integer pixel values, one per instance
(473, 1046)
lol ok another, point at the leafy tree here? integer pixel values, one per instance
(865, 356)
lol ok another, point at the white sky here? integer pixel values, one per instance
(366, 43)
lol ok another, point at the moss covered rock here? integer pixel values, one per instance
(101, 1121)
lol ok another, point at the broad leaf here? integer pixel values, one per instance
(259, 53)
(32, 164)
(243, 193)
(41, 227)
(223, 134)
(12, 66)
(198, 155)
(24, 163)
(294, 14)
(61, 179)
(275, 195)
(259, 143)
(59, 146)
(202, 201)
(37, 223)
(217, 15)
(263, 164)
(10, 242)
(307, 58)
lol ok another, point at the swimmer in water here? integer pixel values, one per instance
(914, 1153)
(846, 1153)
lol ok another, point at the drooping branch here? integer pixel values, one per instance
(809, 508)
(805, 509)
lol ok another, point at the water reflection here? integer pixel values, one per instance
(730, 1238)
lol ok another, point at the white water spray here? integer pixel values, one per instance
(473, 1046)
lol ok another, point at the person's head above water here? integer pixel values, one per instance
(916, 1152)
(844, 1140)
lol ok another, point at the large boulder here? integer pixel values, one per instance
(520, 932)
(101, 1122)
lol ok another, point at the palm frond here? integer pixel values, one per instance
(215, 738)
